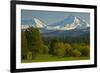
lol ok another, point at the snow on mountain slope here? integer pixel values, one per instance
(39, 23)
(70, 23)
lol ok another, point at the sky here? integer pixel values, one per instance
(49, 17)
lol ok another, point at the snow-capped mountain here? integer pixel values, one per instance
(39, 24)
(69, 23)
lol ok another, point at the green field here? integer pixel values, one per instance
(47, 59)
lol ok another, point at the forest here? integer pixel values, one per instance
(38, 48)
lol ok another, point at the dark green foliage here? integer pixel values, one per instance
(71, 40)
(39, 48)
(34, 42)
(24, 46)
(34, 34)
(52, 44)
(33, 37)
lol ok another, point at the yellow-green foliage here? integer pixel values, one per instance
(84, 49)
(76, 53)
(59, 49)
(69, 49)
(29, 55)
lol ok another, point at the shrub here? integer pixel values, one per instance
(76, 53)
(86, 51)
(29, 55)
(58, 49)
(69, 49)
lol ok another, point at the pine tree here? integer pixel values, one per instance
(35, 43)
(24, 46)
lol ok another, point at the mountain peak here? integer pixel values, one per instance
(69, 23)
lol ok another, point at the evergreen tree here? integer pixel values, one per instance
(24, 46)
(35, 43)
(52, 44)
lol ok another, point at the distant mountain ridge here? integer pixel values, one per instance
(70, 26)
(72, 22)
(69, 23)
(64, 33)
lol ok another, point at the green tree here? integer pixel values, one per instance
(57, 48)
(35, 43)
(86, 51)
(69, 49)
(77, 46)
(24, 46)
(76, 53)
(52, 44)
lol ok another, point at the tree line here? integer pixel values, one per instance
(32, 44)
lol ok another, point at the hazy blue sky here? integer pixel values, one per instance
(49, 17)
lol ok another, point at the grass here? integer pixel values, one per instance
(54, 58)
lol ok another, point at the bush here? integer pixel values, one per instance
(29, 55)
(76, 53)
(69, 50)
(79, 47)
(86, 51)
(58, 49)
